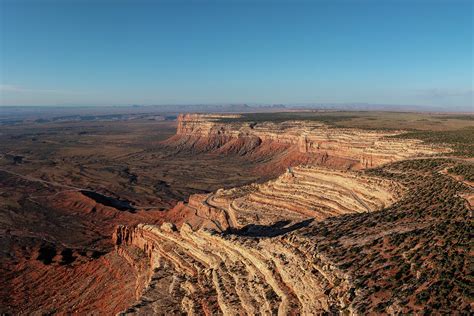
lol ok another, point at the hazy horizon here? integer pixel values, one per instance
(9, 110)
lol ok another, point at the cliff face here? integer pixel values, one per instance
(286, 254)
(300, 193)
(205, 272)
(314, 240)
(230, 256)
(365, 147)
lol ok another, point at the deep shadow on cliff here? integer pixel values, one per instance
(261, 231)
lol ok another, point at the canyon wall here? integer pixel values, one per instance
(300, 193)
(201, 272)
(272, 248)
(232, 256)
(367, 148)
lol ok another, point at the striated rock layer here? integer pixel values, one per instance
(410, 257)
(230, 275)
(230, 258)
(312, 241)
(364, 148)
(300, 193)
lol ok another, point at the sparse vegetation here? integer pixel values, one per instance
(280, 117)
(421, 238)
(460, 140)
(464, 170)
(365, 120)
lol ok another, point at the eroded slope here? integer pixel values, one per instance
(410, 256)
(300, 193)
(359, 148)
(243, 268)
(314, 240)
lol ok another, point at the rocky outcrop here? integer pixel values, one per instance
(367, 148)
(312, 241)
(224, 274)
(233, 259)
(395, 261)
(300, 193)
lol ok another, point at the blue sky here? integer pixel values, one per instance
(177, 52)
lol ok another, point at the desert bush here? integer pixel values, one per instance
(459, 140)
(464, 170)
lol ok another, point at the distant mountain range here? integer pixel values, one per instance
(17, 114)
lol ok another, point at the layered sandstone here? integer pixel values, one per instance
(215, 273)
(301, 192)
(306, 242)
(233, 261)
(367, 148)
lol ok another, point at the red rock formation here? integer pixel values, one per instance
(298, 141)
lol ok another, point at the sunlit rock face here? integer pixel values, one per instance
(328, 235)
(231, 257)
(368, 148)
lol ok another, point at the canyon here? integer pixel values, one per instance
(361, 148)
(268, 276)
(252, 249)
(231, 215)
